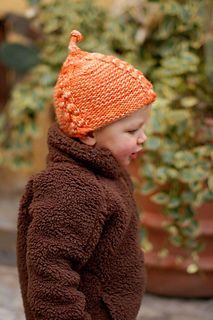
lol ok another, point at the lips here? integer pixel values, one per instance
(133, 156)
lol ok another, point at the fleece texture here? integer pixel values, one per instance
(78, 249)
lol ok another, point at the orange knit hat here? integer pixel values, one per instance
(94, 90)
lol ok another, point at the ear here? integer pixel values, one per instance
(89, 139)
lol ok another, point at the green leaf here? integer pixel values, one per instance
(189, 175)
(148, 187)
(184, 63)
(153, 143)
(209, 196)
(33, 2)
(147, 170)
(143, 234)
(196, 187)
(161, 175)
(191, 244)
(202, 151)
(187, 231)
(192, 268)
(176, 240)
(172, 213)
(209, 59)
(200, 246)
(168, 157)
(160, 198)
(188, 197)
(18, 56)
(183, 158)
(188, 102)
(171, 229)
(187, 215)
(174, 202)
(157, 127)
(203, 196)
(172, 173)
(210, 182)
(163, 253)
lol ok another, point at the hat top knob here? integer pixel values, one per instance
(75, 37)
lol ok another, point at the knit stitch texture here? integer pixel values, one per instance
(94, 90)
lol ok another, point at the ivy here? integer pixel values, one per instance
(169, 44)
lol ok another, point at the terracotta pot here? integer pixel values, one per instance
(167, 276)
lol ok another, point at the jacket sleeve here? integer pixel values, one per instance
(66, 224)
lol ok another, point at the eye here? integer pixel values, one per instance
(132, 131)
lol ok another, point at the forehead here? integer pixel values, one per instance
(138, 116)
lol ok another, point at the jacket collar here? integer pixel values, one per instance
(63, 148)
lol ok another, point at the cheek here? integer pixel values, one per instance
(126, 148)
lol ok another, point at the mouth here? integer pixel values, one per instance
(133, 156)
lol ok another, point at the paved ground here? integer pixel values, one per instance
(10, 300)
(153, 308)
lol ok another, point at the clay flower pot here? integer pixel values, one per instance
(167, 275)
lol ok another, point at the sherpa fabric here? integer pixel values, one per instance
(94, 90)
(78, 249)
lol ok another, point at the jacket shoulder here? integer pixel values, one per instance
(66, 178)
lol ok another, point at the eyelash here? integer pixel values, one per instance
(132, 131)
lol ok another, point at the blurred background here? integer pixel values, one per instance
(171, 42)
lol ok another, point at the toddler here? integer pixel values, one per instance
(78, 249)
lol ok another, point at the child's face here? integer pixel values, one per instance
(124, 137)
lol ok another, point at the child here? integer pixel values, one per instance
(78, 247)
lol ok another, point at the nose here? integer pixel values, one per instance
(141, 138)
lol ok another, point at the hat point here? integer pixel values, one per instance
(75, 37)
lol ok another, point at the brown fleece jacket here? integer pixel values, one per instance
(77, 246)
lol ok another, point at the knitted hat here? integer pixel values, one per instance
(94, 90)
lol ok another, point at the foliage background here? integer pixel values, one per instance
(171, 42)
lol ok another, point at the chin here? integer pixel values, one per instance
(125, 163)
